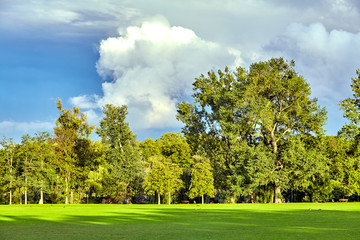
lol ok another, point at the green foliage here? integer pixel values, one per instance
(262, 107)
(202, 181)
(258, 132)
(175, 147)
(162, 176)
(351, 108)
(122, 150)
(71, 138)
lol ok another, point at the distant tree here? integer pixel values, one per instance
(27, 152)
(175, 147)
(351, 132)
(351, 108)
(148, 148)
(202, 181)
(8, 159)
(45, 157)
(71, 130)
(162, 177)
(122, 150)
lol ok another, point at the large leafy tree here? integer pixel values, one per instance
(267, 103)
(122, 150)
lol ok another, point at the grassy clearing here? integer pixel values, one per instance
(240, 221)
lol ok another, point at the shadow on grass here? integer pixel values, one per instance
(182, 223)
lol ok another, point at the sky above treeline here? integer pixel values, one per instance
(146, 54)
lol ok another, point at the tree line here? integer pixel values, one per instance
(249, 135)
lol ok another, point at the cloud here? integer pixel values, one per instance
(152, 67)
(8, 126)
(328, 60)
(85, 101)
(71, 15)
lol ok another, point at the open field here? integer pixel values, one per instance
(240, 221)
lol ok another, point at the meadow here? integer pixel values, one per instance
(187, 221)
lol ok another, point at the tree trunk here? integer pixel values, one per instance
(277, 189)
(25, 189)
(232, 198)
(66, 191)
(79, 196)
(277, 194)
(252, 197)
(169, 198)
(10, 201)
(128, 198)
(159, 200)
(71, 196)
(41, 201)
(202, 199)
(20, 196)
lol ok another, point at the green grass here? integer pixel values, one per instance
(240, 221)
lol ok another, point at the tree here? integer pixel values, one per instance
(175, 147)
(122, 151)
(351, 108)
(268, 103)
(202, 181)
(8, 155)
(351, 131)
(45, 157)
(149, 148)
(308, 168)
(27, 152)
(161, 177)
(71, 130)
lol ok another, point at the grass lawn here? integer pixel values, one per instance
(188, 221)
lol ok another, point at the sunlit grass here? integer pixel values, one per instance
(188, 221)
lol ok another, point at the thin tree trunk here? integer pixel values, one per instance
(159, 200)
(169, 198)
(66, 191)
(252, 197)
(25, 190)
(277, 189)
(202, 199)
(10, 201)
(79, 196)
(41, 201)
(20, 196)
(128, 198)
(232, 198)
(71, 196)
(277, 194)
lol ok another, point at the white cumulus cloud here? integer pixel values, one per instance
(327, 59)
(152, 67)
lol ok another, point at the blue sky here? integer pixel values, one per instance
(147, 54)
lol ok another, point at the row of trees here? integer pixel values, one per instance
(69, 167)
(249, 136)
